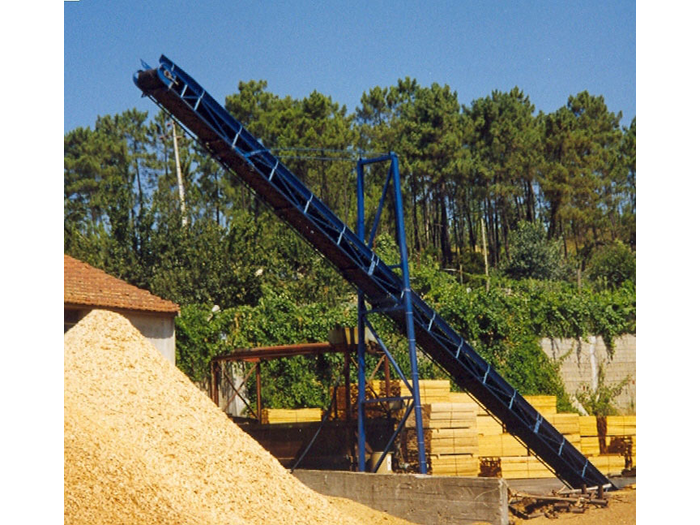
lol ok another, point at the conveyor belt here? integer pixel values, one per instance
(237, 150)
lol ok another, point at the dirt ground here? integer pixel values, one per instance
(622, 510)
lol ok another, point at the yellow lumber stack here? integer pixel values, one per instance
(464, 397)
(488, 426)
(501, 445)
(450, 436)
(588, 426)
(524, 467)
(566, 423)
(569, 426)
(621, 437)
(617, 436)
(545, 405)
(454, 465)
(451, 441)
(446, 415)
(297, 415)
(590, 444)
(431, 391)
(621, 426)
(460, 436)
(608, 463)
(513, 457)
(497, 448)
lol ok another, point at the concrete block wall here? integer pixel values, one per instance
(429, 500)
(580, 361)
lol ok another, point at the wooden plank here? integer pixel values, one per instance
(588, 426)
(501, 445)
(454, 465)
(590, 445)
(528, 467)
(446, 415)
(566, 423)
(464, 397)
(488, 426)
(621, 425)
(545, 405)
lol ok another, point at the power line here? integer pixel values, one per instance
(355, 154)
(306, 157)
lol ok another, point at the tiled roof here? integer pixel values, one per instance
(86, 285)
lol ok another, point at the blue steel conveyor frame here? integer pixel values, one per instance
(239, 151)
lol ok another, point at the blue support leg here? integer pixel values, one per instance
(361, 439)
(408, 306)
(361, 383)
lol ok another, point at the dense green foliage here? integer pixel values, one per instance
(555, 194)
(534, 256)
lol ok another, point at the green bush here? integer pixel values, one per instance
(505, 325)
(612, 265)
(533, 256)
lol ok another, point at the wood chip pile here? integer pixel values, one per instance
(143, 445)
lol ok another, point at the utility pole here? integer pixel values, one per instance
(486, 255)
(180, 185)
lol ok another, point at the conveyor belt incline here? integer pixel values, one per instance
(237, 150)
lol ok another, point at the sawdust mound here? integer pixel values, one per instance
(106, 482)
(143, 445)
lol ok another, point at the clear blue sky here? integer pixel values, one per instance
(549, 48)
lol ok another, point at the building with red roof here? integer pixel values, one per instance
(86, 288)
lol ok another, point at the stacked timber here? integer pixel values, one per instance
(296, 415)
(609, 441)
(608, 463)
(524, 464)
(620, 437)
(569, 426)
(502, 454)
(431, 391)
(545, 405)
(462, 438)
(621, 426)
(524, 467)
(446, 415)
(454, 465)
(449, 433)
(501, 445)
(590, 443)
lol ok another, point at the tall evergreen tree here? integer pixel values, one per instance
(582, 170)
(505, 144)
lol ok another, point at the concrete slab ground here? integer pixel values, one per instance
(417, 498)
